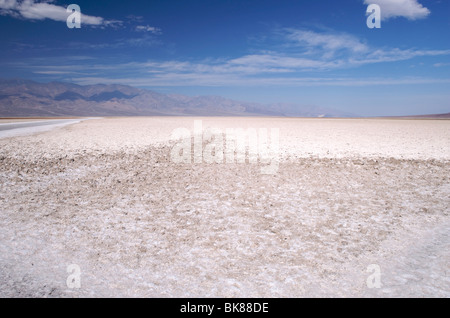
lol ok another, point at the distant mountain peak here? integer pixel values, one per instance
(23, 98)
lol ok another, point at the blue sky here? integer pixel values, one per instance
(314, 52)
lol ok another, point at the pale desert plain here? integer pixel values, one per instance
(348, 196)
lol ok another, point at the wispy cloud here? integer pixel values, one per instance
(410, 9)
(33, 10)
(211, 73)
(57, 72)
(441, 64)
(306, 52)
(168, 80)
(147, 28)
(325, 51)
(137, 42)
(330, 42)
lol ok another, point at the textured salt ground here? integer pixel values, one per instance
(139, 225)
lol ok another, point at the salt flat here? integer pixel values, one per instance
(104, 194)
(17, 127)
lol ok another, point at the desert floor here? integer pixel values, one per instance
(105, 195)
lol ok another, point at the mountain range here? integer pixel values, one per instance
(26, 98)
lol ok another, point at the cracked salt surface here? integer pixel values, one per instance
(103, 194)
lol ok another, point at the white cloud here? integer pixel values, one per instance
(167, 80)
(331, 42)
(285, 65)
(410, 9)
(441, 64)
(268, 68)
(325, 51)
(147, 28)
(275, 62)
(8, 4)
(29, 9)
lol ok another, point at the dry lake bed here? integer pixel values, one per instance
(351, 208)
